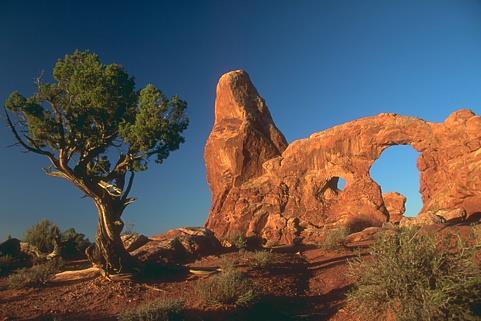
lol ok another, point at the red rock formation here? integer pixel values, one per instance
(395, 206)
(283, 194)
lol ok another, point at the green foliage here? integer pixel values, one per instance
(92, 106)
(73, 244)
(228, 287)
(162, 309)
(43, 235)
(259, 259)
(416, 277)
(157, 124)
(35, 276)
(333, 238)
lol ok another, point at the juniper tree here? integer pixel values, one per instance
(97, 131)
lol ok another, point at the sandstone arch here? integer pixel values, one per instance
(261, 186)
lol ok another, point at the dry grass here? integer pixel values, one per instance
(162, 309)
(35, 276)
(333, 239)
(230, 287)
(259, 259)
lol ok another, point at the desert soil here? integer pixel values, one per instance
(309, 284)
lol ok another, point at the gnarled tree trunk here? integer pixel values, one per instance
(108, 252)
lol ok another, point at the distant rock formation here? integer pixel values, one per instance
(395, 206)
(263, 187)
(10, 247)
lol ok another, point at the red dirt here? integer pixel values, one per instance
(307, 286)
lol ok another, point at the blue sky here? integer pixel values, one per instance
(317, 64)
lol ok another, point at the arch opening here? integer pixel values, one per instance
(332, 189)
(396, 171)
(336, 184)
(341, 183)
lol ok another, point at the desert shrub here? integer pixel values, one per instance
(333, 238)
(259, 259)
(238, 240)
(416, 277)
(228, 287)
(43, 235)
(389, 226)
(162, 309)
(35, 276)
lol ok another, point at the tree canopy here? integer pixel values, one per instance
(90, 111)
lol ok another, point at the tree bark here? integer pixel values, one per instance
(108, 252)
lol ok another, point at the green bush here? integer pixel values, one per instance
(35, 276)
(43, 235)
(228, 287)
(409, 276)
(333, 238)
(162, 309)
(259, 259)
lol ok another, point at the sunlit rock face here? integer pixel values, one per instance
(395, 205)
(261, 186)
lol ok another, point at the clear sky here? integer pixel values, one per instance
(317, 64)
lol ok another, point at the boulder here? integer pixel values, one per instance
(179, 246)
(365, 235)
(161, 252)
(286, 193)
(395, 206)
(456, 215)
(433, 217)
(424, 218)
(133, 241)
